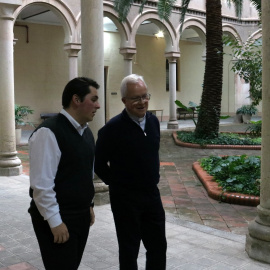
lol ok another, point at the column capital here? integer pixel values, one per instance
(72, 49)
(7, 8)
(172, 56)
(128, 52)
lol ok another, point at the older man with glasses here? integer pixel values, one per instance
(127, 159)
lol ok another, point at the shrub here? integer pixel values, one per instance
(235, 173)
(21, 112)
(247, 109)
(223, 139)
(255, 128)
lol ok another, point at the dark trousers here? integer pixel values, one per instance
(139, 216)
(65, 256)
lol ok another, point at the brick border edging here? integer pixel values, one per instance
(214, 146)
(215, 192)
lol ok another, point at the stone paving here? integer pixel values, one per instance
(190, 245)
(202, 233)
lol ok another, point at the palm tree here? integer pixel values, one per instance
(209, 115)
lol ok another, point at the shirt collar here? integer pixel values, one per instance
(135, 118)
(74, 123)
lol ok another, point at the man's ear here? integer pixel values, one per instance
(76, 99)
(124, 100)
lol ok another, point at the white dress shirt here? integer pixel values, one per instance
(45, 155)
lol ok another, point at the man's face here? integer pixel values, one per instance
(139, 106)
(89, 106)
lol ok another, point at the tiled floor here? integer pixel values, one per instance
(188, 199)
(190, 245)
(20, 266)
(183, 194)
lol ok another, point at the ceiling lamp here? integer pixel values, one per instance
(160, 34)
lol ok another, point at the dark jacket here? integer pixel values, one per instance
(73, 182)
(133, 154)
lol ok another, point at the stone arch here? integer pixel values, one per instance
(199, 27)
(62, 11)
(196, 61)
(235, 90)
(151, 15)
(232, 31)
(195, 24)
(124, 29)
(256, 35)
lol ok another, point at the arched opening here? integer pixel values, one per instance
(113, 66)
(233, 88)
(191, 65)
(41, 67)
(150, 61)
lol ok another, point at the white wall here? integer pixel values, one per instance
(151, 63)
(228, 87)
(74, 6)
(115, 63)
(40, 68)
(192, 72)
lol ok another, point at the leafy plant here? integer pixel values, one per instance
(247, 63)
(20, 113)
(192, 107)
(255, 128)
(222, 139)
(235, 173)
(247, 109)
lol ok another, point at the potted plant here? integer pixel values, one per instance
(247, 111)
(20, 113)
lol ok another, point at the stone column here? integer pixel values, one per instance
(10, 164)
(172, 58)
(204, 56)
(93, 64)
(128, 54)
(93, 53)
(258, 238)
(73, 49)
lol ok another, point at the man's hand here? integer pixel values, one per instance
(92, 215)
(60, 233)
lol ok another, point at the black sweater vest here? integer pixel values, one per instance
(73, 182)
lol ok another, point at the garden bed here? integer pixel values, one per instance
(214, 146)
(215, 192)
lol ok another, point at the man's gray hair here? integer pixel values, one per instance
(132, 79)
